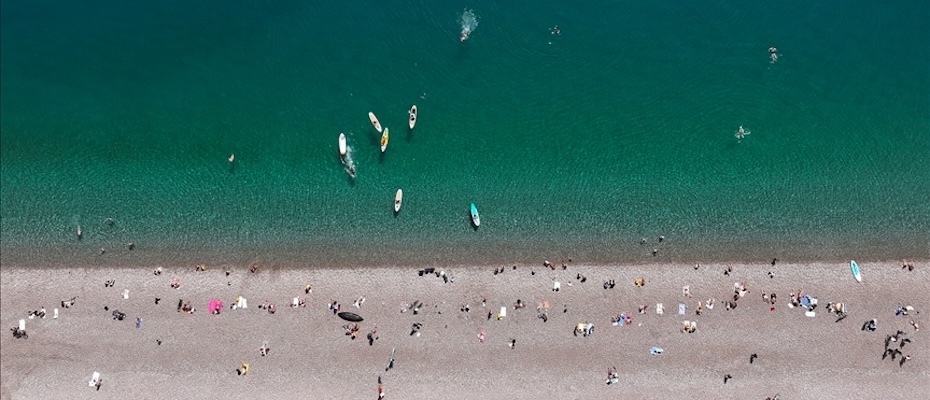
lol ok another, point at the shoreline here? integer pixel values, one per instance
(478, 251)
(799, 357)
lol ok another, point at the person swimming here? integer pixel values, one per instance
(773, 54)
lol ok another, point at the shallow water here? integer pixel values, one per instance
(571, 145)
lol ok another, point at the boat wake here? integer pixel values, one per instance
(348, 163)
(469, 22)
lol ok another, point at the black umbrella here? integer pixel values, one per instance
(351, 317)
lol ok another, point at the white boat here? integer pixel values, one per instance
(475, 219)
(384, 139)
(342, 144)
(374, 121)
(413, 116)
(398, 199)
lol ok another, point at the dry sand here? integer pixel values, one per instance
(311, 357)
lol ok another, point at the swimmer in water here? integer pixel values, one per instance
(556, 31)
(773, 54)
(741, 133)
(464, 36)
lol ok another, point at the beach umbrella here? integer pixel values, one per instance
(350, 316)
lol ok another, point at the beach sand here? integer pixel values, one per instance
(311, 357)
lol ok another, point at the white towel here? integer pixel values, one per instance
(660, 308)
(125, 294)
(681, 308)
(22, 324)
(93, 381)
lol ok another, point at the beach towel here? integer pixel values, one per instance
(94, 379)
(681, 308)
(22, 324)
(503, 313)
(55, 313)
(660, 309)
(125, 294)
(655, 350)
(810, 313)
(556, 286)
(295, 302)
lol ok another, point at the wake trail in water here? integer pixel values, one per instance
(348, 163)
(469, 22)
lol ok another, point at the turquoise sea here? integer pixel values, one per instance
(571, 145)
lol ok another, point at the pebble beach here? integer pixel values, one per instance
(310, 355)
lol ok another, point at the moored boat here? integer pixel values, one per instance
(413, 116)
(475, 218)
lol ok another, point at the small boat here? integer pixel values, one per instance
(413, 116)
(384, 139)
(855, 270)
(342, 144)
(475, 219)
(232, 157)
(374, 121)
(398, 199)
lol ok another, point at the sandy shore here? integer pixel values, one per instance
(311, 357)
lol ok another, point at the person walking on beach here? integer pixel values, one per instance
(380, 388)
(903, 359)
(726, 378)
(752, 357)
(391, 361)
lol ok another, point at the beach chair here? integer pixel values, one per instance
(94, 379)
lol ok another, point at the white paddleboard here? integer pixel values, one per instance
(398, 199)
(374, 121)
